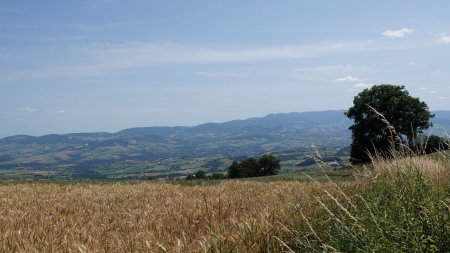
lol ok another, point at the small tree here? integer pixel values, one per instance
(200, 174)
(269, 165)
(234, 170)
(384, 115)
(250, 168)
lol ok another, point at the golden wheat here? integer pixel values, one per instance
(233, 216)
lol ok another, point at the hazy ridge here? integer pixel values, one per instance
(272, 133)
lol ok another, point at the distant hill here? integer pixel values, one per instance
(441, 123)
(81, 152)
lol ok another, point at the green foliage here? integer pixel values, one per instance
(190, 177)
(406, 208)
(435, 143)
(217, 176)
(396, 214)
(429, 144)
(269, 165)
(234, 170)
(266, 165)
(200, 174)
(404, 117)
(250, 168)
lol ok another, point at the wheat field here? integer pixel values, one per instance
(392, 206)
(232, 216)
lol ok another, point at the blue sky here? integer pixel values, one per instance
(105, 65)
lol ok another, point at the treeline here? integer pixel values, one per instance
(266, 165)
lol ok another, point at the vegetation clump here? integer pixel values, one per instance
(267, 165)
(429, 144)
(200, 174)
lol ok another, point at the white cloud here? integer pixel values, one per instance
(423, 88)
(60, 111)
(444, 38)
(434, 92)
(395, 34)
(348, 79)
(28, 109)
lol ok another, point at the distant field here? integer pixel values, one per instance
(168, 168)
(170, 152)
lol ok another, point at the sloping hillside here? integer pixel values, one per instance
(84, 154)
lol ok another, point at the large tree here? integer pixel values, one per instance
(384, 115)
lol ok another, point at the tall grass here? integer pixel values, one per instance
(402, 205)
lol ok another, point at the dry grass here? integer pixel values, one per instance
(398, 205)
(389, 206)
(233, 216)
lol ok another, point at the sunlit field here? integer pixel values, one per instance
(392, 205)
(149, 216)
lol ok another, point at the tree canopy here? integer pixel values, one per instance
(265, 166)
(383, 116)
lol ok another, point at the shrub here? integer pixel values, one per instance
(217, 175)
(429, 144)
(200, 174)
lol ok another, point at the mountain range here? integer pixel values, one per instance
(85, 154)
